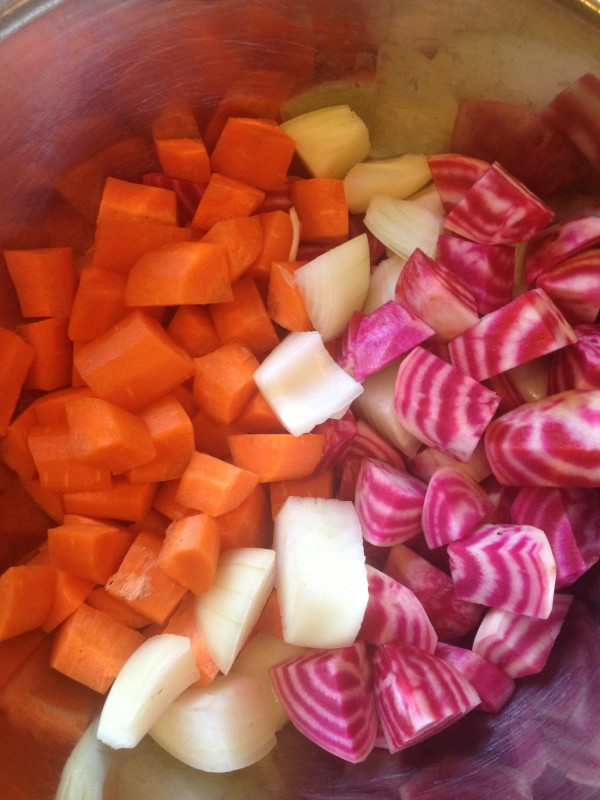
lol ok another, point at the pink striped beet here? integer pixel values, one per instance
(498, 209)
(453, 174)
(450, 616)
(583, 510)
(369, 443)
(389, 503)
(574, 285)
(417, 694)
(395, 614)
(577, 366)
(434, 294)
(505, 566)
(574, 111)
(428, 459)
(559, 242)
(487, 269)
(518, 644)
(454, 505)
(492, 684)
(441, 405)
(550, 442)
(543, 508)
(528, 327)
(339, 435)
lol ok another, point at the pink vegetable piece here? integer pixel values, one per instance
(505, 566)
(518, 644)
(328, 695)
(559, 242)
(492, 684)
(395, 614)
(576, 112)
(499, 209)
(550, 442)
(368, 443)
(454, 174)
(543, 508)
(583, 510)
(417, 694)
(454, 506)
(428, 459)
(434, 294)
(450, 616)
(441, 405)
(574, 285)
(339, 434)
(487, 269)
(577, 366)
(389, 503)
(528, 327)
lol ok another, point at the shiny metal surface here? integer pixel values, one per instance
(83, 77)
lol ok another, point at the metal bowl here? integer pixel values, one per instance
(82, 81)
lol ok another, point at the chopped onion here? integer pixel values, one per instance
(403, 225)
(83, 775)
(382, 285)
(398, 177)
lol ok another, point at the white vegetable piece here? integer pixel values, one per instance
(227, 612)
(83, 775)
(330, 140)
(321, 576)
(403, 225)
(218, 728)
(335, 284)
(159, 670)
(303, 384)
(382, 285)
(399, 177)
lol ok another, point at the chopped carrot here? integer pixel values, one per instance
(71, 592)
(133, 363)
(24, 524)
(242, 236)
(322, 209)
(183, 623)
(318, 485)
(14, 446)
(98, 303)
(224, 381)
(214, 486)
(245, 318)
(17, 358)
(249, 524)
(277, 456)
(154, 521)
(184, 158)
(191, 273)
(256, 151)
(15, 650)
(285, 303)
(51, 407)
(142, 583)
(257, 416)
(120, 242)
(26, 596)
(127, 200)
(185, 395)
(225, 198)
(58, 467)
(190, 552)
(50, 502)
(106, 436)
(89, 550)
(91, 648)
(44, 280)
(124, 501)
(176, 120)
(193, 329)
(166, 503)
(278, 235)
(116, 608)
(210, 435)
(53, 353)
(76, 379)
(270, 617)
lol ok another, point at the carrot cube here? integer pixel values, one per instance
(15, 361)
(98, 303)
(225, 198)
(245, 318)
(322, 210)
(242, 237)
(277, 456)
(53, 353)
(89, 550)
(214, 486)
(124, 501)
(224, 381)
(192, 328)
(127, 200)
(26, 597)
(183, 623)
(285, 303)
(278, 236)
(119, 243)
(249, 524)
(190, 552)
(44, 280)
(186, 159)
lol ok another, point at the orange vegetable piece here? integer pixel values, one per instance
(89, 550)
(318, 485)
(210, 435)
(26, 597)
(176, 120)
(224, 381)
(249, 524)
(193, 329)
(49, 502)
(322, 210)
(180, 273)
(256, 151)
(91, 647)
(98, 304)
(53, 353)
(133, 363)
(245, 318)
(285, 303)
(51, 407)
(186, 159)
(44, 280)
(119, 243)
(277, 456)
(116, 608)
(70, 592)
(225, 198)
(242, 237)
(183, 623)
(124, 501)
(270, 617)
(166, 503)
(214, 486)
(24, 524)
(15, 650)
(258, 417)
(142, 583)
(128, 200)
(190, 552)
(17, 357)
(278, 235)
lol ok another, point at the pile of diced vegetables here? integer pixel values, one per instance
(319, 434)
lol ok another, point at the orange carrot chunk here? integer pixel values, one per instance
(183, 623)
(51, 407)
(225, 198)
(277, 456)
(249, 524)
(319, 485)
(119, 243)
(322, 210)
(224, 381)
(17, 357)
(133, 363)
(127, 200)
(245, 319)
(214, 486)
(242, 237)
(142, 583)
(124, 501)
(193, 329)
(278, 235)
(89, 550)
(70, 592)
(44, 280)
(116, 608)
(14, 651)
(190, 552)
(210, 435)
(184, 272)
(285, 303)
(26, 597)
(53, 353)
(258, 417)
(98, 303)
(270, 617)
(166, 502)
(107, 436)
(186, 159)
(91, 648)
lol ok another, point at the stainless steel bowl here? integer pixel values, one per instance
(80, 78)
